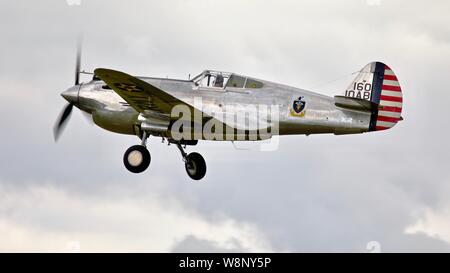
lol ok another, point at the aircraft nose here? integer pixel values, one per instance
(71, 94)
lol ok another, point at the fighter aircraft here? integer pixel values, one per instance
(221, 106)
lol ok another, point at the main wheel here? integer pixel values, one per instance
(137, 159)
(195, 166)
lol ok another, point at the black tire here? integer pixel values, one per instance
(137, 159)
(195, 166)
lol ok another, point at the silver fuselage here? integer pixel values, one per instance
(111, 112)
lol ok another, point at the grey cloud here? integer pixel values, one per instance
(193, 244)
(317, 193)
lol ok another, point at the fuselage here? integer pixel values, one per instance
(317, 114)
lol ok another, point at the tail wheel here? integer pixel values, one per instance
(195, 166)
(137, 159)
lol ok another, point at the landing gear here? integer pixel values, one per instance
(194, 163)
(137, 158)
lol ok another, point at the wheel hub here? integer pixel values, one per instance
(135, 158)
(191, 167)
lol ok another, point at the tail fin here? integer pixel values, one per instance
(377, 83)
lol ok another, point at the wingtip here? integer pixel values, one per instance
(99, 70)
(105, 72)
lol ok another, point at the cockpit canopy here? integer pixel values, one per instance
(219, 79)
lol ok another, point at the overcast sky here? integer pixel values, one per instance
(316, 193)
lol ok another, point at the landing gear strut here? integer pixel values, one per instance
(194, 163)
(137, 158)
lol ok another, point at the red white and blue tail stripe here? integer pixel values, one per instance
(387, 94)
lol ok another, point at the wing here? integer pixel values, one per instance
(141, 95)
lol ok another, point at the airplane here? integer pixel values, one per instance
(144, 106)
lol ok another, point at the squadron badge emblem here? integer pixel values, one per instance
(298, 107)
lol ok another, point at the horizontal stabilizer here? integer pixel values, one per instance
(353, 103)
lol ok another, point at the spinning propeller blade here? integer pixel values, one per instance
(78, 64)
(62, 121)
(68, 95)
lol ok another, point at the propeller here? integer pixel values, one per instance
(78, 64)
(66, 112)
(62, 121)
